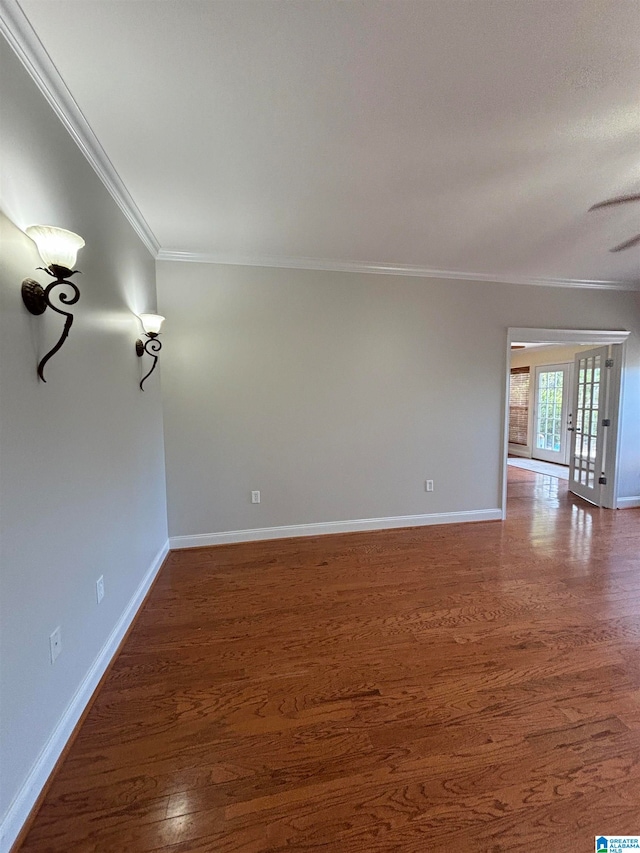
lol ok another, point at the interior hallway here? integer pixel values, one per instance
(470, 687)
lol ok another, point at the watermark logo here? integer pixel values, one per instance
(617, 843)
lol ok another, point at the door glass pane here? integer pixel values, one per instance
(549, 410)
(586, 418)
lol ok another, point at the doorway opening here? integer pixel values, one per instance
(562, 406)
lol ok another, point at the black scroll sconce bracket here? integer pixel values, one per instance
(37, 299)
(152, 347)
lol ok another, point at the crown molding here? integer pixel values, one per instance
(387, 269)
(21, 36)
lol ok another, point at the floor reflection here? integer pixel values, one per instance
(552, 512)
(581, 532)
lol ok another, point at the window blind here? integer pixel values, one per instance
(518, 405)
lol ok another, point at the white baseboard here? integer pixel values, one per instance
(518, 450)
(628, 503)
(24, 801)
(203, 539)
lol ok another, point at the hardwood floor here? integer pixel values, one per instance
(464, 687)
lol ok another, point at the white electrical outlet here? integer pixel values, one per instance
(255, 497)
(55, 643)
(428, 485)
(100, 588)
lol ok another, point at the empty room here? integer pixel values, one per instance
(319, 426)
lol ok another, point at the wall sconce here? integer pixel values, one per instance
(151, 324)
(58, 249)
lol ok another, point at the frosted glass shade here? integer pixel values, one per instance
(56, 245)
(151, 323)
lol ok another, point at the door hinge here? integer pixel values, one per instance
(608, 362)
(602, 480)
(606, 422)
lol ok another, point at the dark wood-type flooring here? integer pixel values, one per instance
(463, 687)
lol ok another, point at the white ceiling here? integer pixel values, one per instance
(456, 135)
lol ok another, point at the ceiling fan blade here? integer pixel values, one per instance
(627, 244)
(621, 199)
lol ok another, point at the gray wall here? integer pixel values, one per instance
(337, 394)
(82, 490)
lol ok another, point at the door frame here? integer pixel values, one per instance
(578, 337)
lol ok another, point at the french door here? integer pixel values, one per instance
(550, 420)
(586, 466)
